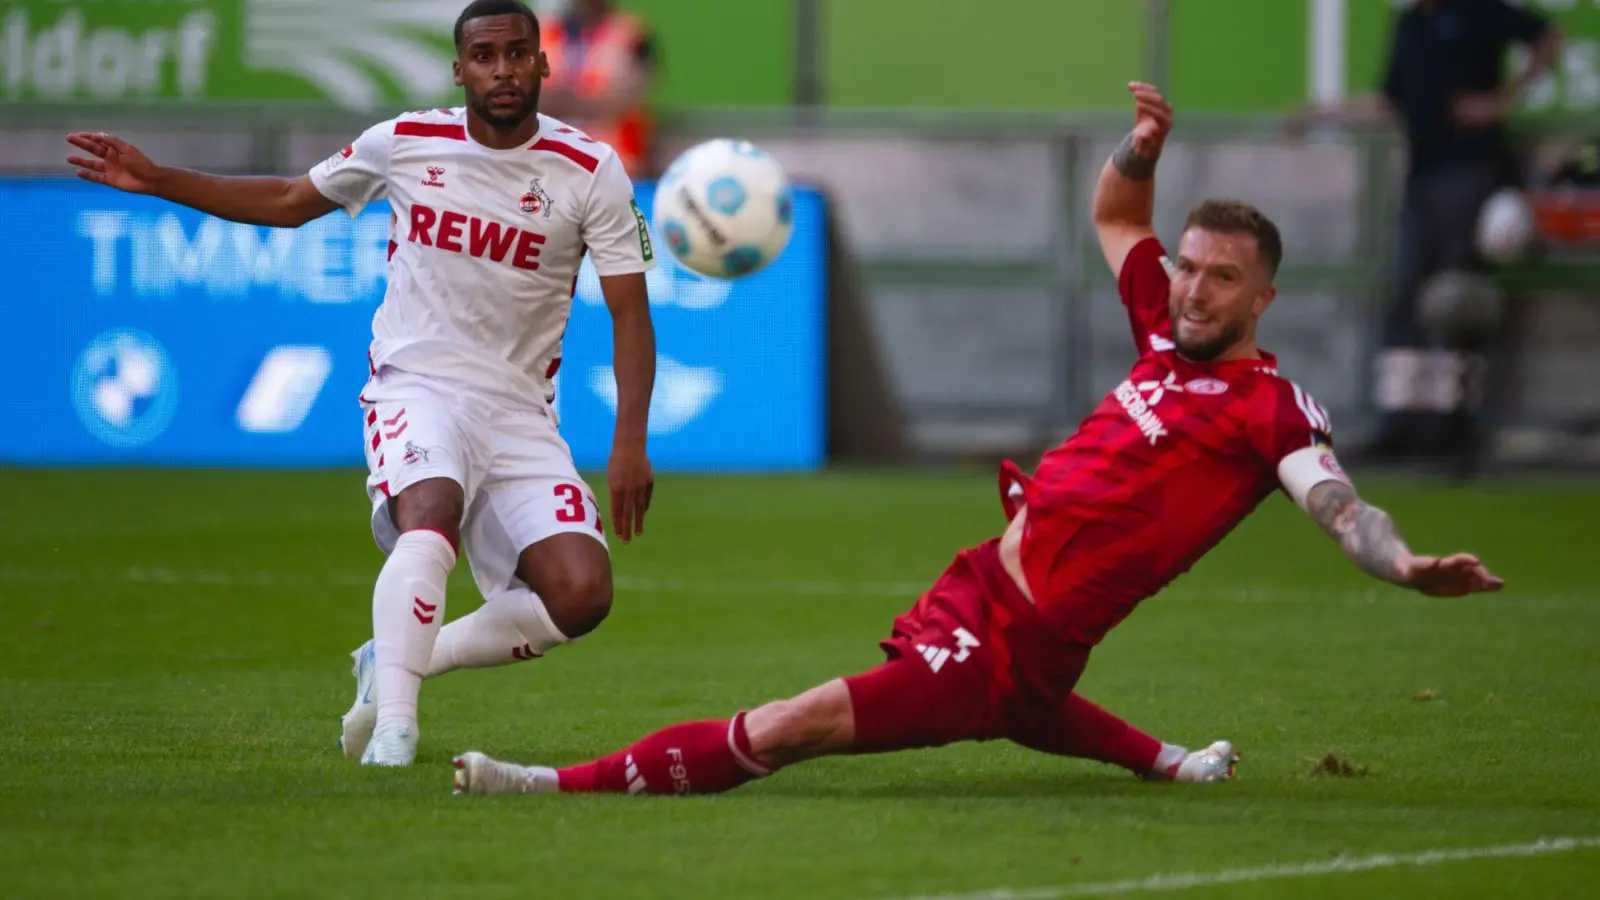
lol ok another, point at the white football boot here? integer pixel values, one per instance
(357, 724)
(1214, 763)
(392, 746)
(480, 774)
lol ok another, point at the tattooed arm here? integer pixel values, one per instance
(1124, 198)
(1366, 533)
(1369, 537)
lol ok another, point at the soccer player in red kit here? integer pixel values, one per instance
(1203, 429)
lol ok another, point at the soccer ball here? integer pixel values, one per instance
(725, 208)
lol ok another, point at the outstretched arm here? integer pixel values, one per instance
(279, 202)
(1124, 198)
(1369, 537)
(1365, 533)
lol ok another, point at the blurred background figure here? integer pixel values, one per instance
(603, 63)
(1444, 82)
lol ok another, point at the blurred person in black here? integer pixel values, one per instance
(1444, 85)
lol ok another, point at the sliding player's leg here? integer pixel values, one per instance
(898, 705)
(708, 756)
(938, 686)
(1076, 727)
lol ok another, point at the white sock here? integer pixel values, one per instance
(512, 626)
(407, 612)
(1169, 758)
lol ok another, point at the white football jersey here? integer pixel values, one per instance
(485, 244)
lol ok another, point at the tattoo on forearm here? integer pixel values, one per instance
(1130, 163)
(1365, 532)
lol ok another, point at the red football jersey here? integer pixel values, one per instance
(1169, 463)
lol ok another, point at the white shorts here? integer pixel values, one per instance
(514, 469)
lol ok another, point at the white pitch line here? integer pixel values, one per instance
(646, 585)
(1182, 881)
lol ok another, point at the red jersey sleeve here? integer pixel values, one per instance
(1013, 488)
(1144, 284)
(1287, 419)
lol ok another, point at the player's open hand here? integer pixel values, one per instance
(631, 483)
(1152, 119)
(1447, 576)
(114, 162)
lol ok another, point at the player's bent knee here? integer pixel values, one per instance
(572, 580)
(816, 723)
(435, 504)
(583, 605)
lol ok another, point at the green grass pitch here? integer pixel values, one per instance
(174, 659)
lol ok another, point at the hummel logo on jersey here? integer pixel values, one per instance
(446, 229)
(938, 656)
(435, 173)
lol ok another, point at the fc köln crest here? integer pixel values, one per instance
(535, 201)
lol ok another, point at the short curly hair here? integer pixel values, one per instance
(477, 9)
(1236, 217)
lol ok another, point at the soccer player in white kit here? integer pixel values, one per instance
(494, 207)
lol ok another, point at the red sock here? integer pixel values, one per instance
(705, 757)
(1094, 733)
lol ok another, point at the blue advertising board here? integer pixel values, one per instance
(140, 332)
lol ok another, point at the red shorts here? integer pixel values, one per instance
(971, 661)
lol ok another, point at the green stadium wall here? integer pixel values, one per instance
(723, 52)
(1039, 55)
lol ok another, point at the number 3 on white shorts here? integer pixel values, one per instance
(574, 510)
